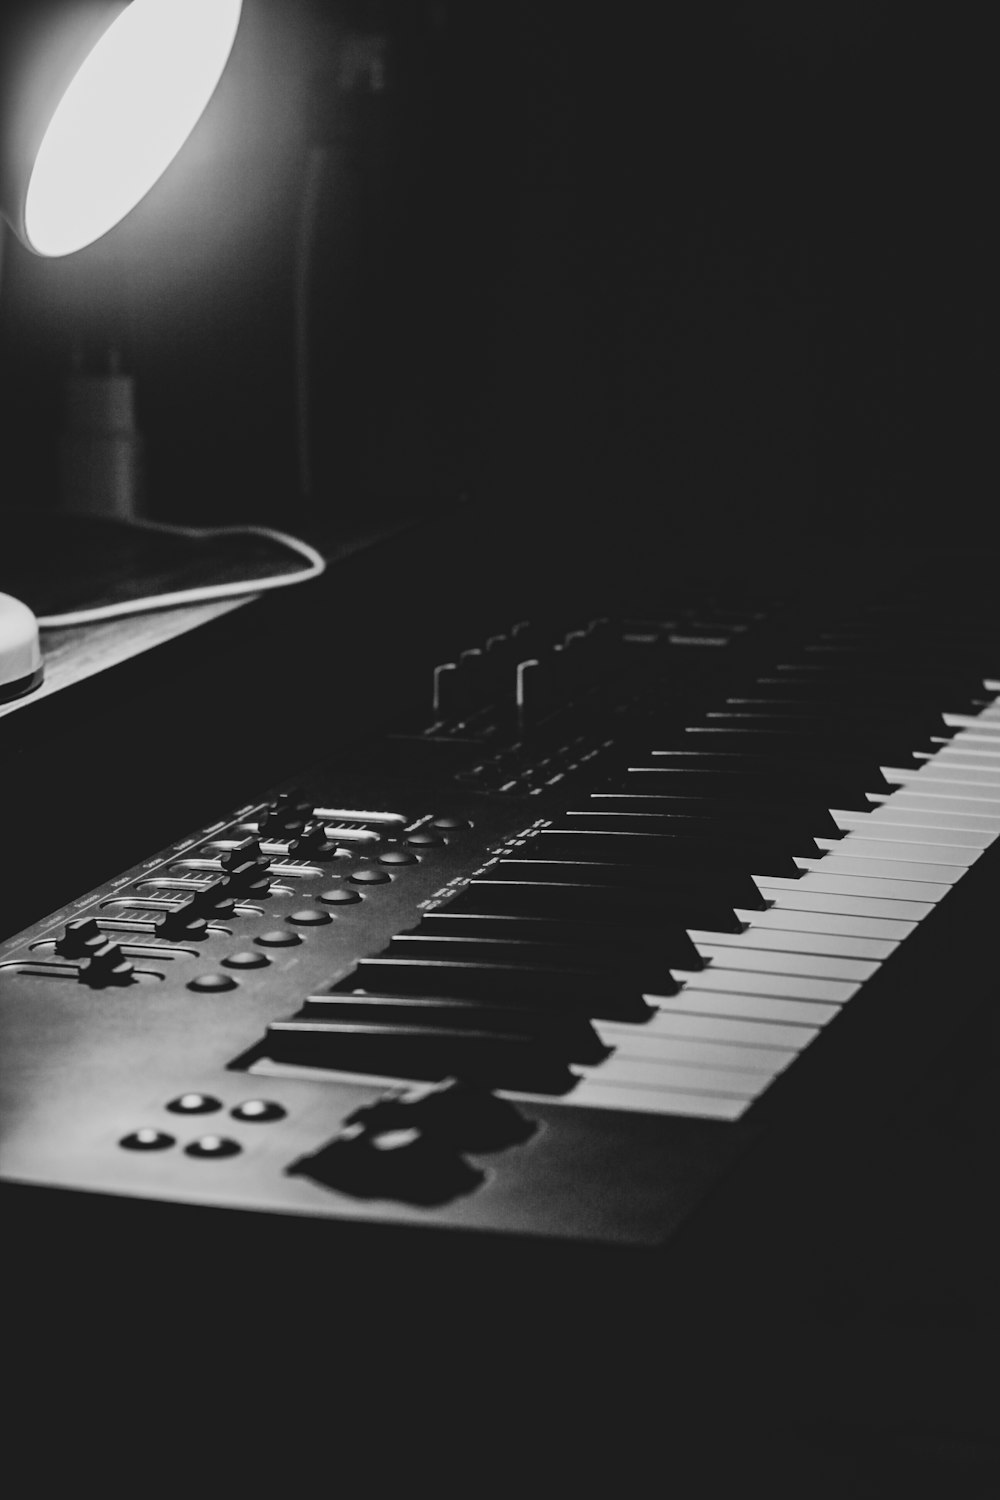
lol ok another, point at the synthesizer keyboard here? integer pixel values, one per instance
(631, 903)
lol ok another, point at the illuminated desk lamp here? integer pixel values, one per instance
(122, 88)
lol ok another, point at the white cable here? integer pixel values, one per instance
(201, 595)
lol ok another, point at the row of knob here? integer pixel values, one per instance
(527, 669)
(243, 877)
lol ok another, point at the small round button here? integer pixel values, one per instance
(194, 1104)
(213, 1145)
(447, 821)
(341, 896)
(147, 1139)
(259, 1110)
(212, 983)
(278, 939)
(424, 838)
(310, 916)
(397, 857)
(246, 959)
(367, 875)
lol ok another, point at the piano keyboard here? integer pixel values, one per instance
(747, 1003)
(637, 890)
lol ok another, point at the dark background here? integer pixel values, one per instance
(717, 274)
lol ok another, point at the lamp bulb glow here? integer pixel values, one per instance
(128, 111)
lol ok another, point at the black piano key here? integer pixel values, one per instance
(730, 832)
(731, 887)
(495, 1059)
(637, 846)
(857, 772)
(570, 1035)
(796, 743)
(499, 950)
(838, 697)
(795, 782)
(578, 903)
(575, 990)
(663, 944)
(807, 717)
(810, 817)
(873, 655)
(930, 690)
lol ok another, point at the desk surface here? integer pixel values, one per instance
(59, 560)
(75, 652)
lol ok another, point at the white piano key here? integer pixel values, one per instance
(974, 723)
(902, 824)
(969, 759)
(750, 959)
(883, 869)
(855, 885)
(811, 922)
(938, 798)
(859, 847)
(791, 986)
(636, 1072)
(938, 779)
(984, 747)
(803, 898)
(921, 812)
(729, 1029)
(746, 956)
(947, 768)
(639, 1042)
(982, 741)
(749, 1007)
(590, 1093)
(775, 941)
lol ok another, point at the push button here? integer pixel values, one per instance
(341, 896)
(261, 1111)
(310, 916)
(147, 1139)
(212, 983)
(213, 1146)
(280, 938)
(368, 875)
(246, 960)
(397, 857)
(194, 1104)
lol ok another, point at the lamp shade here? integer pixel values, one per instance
(99, 99)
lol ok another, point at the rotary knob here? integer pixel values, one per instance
(249, 849)
(184, 921)
(106, 965)
(80, 939)
(312, 842)
(244, 880)
(286, 816)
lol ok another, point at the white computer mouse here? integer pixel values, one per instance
(21, 665)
